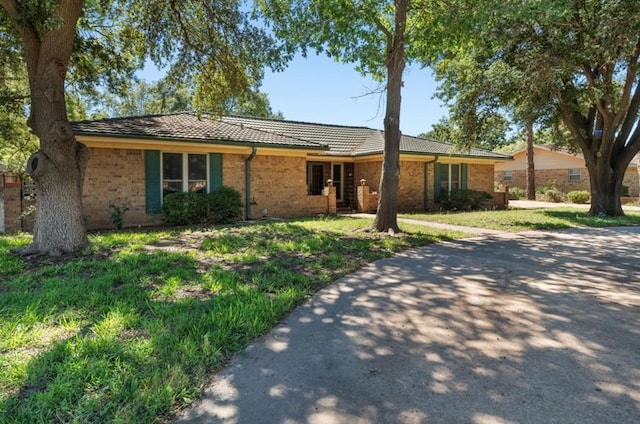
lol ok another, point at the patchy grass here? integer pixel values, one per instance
(129, 330)
(516, 220)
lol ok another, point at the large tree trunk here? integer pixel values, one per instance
(531, 170)
(387, 213)
(58, 167)
(606, 183)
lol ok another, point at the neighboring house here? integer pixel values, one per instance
(567, 170)
(280, 167)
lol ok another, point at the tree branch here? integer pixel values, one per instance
(11, 6)
(626, 100)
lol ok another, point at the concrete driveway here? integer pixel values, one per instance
(539, 327)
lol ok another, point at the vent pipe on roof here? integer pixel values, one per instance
(247, 176)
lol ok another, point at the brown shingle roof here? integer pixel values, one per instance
(188, 127)
(331, 139)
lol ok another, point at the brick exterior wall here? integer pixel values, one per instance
(278, 184)
(115, 176)
(561, 177)
(11, 203)
(411, 186)
(480, 177)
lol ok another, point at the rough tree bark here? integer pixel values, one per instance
(58, 167)
(387, 213)
(605, 179)
(531, 170)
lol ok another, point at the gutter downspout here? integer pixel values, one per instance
(426, 182)
(247, 182)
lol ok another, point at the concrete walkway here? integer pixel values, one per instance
(541, 327)
(470, 230)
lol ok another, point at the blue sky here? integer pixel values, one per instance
(317, 89)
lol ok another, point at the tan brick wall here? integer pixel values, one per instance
(411, 186)
(279, 184)
(632, 180)
(115, 176)
(480, 177)
(369, 171)
(11, 198)
(561, 176)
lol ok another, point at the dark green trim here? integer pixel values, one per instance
(152, 183)
(436, 183)
(247, 182)
(426, 187)
(463, 176)
(215, 171)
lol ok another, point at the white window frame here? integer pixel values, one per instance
(573, 176)
(507, 176)
(185, 170)
(446, 177)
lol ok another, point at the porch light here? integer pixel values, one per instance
(330, 182)
(363, 182)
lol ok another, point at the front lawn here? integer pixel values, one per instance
(515, 220)
(129, 331)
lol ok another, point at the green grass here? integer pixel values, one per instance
(130, 330)
(515, 220)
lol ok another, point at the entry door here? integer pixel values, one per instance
(337, 175)
(315, 178)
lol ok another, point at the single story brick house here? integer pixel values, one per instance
(280, 167)
(568, 170)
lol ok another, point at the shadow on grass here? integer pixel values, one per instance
(133, 335)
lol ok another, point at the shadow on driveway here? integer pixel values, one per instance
(536, 328)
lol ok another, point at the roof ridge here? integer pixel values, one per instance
(319, 124)
(274, 133)
(121, 118)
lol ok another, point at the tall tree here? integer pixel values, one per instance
(53, 37)
(585, 54)
(490, 132)
(374, 35)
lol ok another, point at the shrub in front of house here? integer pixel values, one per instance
(221, 206)
(579, 196)
(517, 193)
(465, 200)
(551, 193)
(184, 208)
(225, 205)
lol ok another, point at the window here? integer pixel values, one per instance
(507, 176)
(184, 172)
(450, 177)
(575, 174)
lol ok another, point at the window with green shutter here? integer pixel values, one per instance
(169, 172)
(449, 177)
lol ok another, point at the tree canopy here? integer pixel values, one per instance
(100, 43)
(575, 58)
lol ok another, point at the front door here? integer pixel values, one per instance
(337, 175)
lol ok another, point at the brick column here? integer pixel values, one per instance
(12, 209)
(363, 198)
(330, 192)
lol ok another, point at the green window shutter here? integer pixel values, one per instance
(215, 171)
(152, 183)
(463, 176)
(425, 197)
(436, 182)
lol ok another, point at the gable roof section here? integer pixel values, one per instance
(332, 140)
